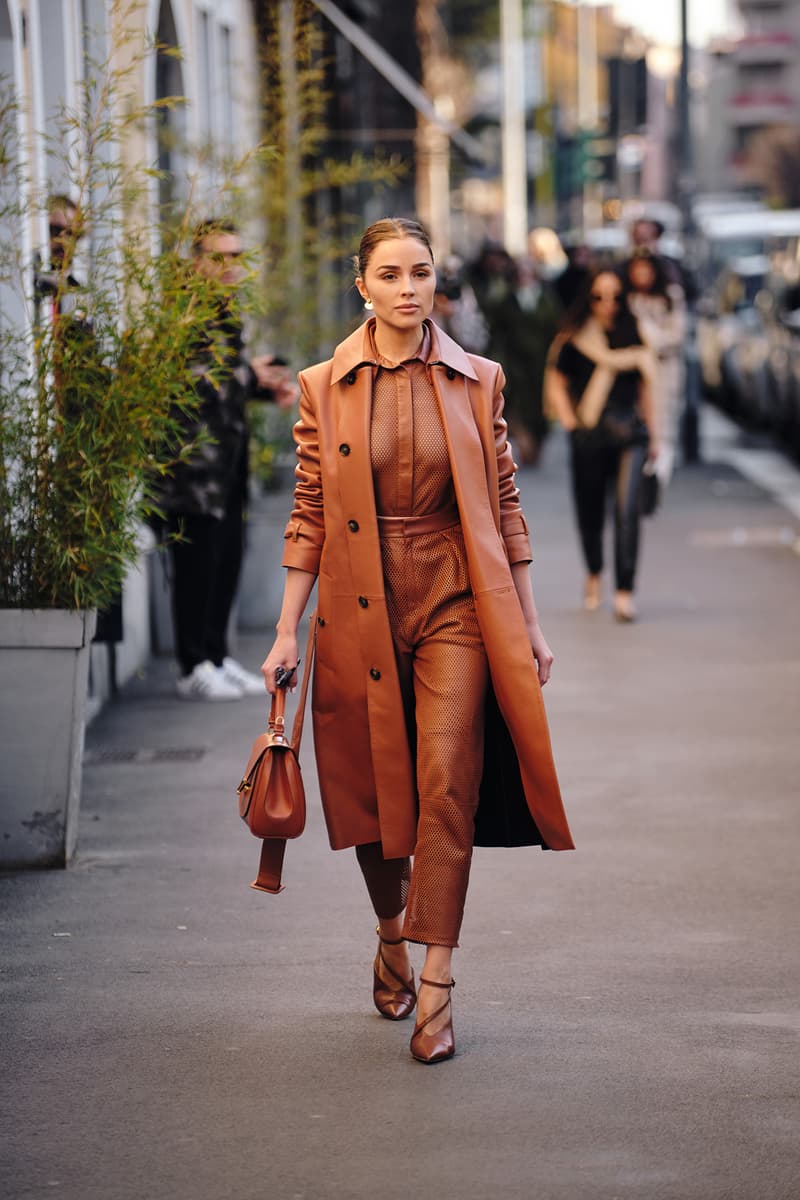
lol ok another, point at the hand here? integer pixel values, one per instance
(284, 653)
(653, 450)
(541, 652)
(277, 379)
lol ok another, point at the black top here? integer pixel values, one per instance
(620, 420)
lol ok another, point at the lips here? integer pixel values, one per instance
(409, 308)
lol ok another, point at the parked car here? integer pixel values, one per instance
(783, 371)
(730, 335)
(749, 344)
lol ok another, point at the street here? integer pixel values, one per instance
(626, 1015)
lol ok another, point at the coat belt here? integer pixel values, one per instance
(391, 527)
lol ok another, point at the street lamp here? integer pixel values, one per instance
(685, 157)
(588, 110)
(690, 417)
(514, 146)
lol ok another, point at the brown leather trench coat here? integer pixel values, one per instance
(366, 773)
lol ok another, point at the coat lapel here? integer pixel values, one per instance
(356, 491)
(352, 375)
(468, 465)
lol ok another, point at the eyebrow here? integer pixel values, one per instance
(390, 267)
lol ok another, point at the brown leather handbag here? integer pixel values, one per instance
(272, 799)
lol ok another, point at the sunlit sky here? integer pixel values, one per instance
(660, 19)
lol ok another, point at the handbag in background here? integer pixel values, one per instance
(649, 490)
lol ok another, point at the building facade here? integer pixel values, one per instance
(753, 85)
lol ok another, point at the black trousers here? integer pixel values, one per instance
(206, 564)
(597, 466)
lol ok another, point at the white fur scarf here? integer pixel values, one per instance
(591, 342)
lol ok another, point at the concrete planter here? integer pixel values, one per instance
(44, 664)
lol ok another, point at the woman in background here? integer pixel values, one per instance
(600, 387)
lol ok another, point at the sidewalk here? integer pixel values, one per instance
(627, 1015)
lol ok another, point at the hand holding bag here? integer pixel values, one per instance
(272, 800)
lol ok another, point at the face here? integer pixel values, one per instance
(219, 258)
(400, 281)
(61, 221)
(604, 298)
(644, 233)
(642, 275)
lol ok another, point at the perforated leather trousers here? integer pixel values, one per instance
(443, 677)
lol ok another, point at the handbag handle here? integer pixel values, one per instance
(277, 709)
(277, 714)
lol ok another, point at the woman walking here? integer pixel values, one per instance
(660, 311)
(600, 386)
(427, 633)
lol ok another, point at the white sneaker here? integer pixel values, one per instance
(206, 682)
(235, 674)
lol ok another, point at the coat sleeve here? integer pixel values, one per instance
(513, 526)
(305, 533)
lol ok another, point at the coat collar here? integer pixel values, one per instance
(356, 351)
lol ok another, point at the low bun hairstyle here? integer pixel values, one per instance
(386, 230)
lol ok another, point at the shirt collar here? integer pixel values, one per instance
(421, 354)
(358, 350)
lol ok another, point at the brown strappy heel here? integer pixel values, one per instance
(393, 1003)
(434, 1047)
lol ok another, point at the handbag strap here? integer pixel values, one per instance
(269, 866)
(299, 716)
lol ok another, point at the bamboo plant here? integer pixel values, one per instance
(94, 376)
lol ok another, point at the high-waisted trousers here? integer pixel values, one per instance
(443, 677)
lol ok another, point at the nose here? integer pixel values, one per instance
(409, 287)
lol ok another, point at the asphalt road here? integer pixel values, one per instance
(627, 1015)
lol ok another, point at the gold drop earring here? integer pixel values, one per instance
(368, 304)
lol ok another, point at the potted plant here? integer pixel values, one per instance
(94, 376)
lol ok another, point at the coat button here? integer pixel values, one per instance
(374, 673)
(363, 601)
(450, 373)
(344, 449)
(320, 621)
(351, 377)
(353, 526)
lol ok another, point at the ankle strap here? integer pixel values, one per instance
(386, 941)
(433, 983)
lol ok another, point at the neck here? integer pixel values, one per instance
(397, 344)
(595, 325)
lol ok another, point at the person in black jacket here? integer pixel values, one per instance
(523, 325)
(205, 495)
